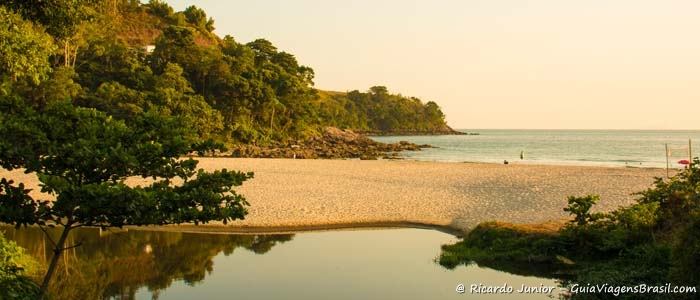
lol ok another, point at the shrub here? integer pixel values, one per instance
(579, 207)
(676, 197)
(685, 261)
(15, 267)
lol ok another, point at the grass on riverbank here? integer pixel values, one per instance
(523, 249)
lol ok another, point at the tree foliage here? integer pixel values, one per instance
(240, 92)
(684, 253)
(83, 156)
(160, 8)
(60, 17)
(24, 49)
(379, 111)
(580, 208)
(198, 18)
(63, 19)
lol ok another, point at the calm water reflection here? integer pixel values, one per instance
(366, 264)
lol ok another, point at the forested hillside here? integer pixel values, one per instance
(127, 58)
(377, 111)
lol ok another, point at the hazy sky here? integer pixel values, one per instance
(610, 64)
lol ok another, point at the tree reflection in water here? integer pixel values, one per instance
(115, 264)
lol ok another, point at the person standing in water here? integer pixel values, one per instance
(522, 154)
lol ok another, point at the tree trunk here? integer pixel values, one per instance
(57, 251)
(66, 53)
(75, 56)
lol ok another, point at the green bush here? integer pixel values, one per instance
(579, 207)
(676, 197)
(685, 259)
(15, 267)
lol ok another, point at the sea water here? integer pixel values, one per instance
(631, 148)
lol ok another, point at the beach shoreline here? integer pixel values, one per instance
(219, 228)
(288, 195)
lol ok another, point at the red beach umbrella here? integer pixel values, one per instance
(684, 162)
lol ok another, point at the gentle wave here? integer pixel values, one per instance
(631, 148)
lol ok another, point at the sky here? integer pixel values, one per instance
(515, 64)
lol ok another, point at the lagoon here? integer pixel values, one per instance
(348, 264)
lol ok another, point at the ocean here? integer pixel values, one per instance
(618, 148)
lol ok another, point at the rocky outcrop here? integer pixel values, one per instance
(334, 143)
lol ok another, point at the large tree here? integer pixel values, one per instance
(82, 158)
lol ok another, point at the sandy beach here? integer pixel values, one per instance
(290, 195)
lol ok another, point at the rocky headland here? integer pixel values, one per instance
(334, 143)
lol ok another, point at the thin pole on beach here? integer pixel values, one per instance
(690, 153)
(666, 161)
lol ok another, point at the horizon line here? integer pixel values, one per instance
(611, 129)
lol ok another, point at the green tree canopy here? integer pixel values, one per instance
(24, 48)
(83, 157)
(60, 17)
(197, 17)
(238, 92)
